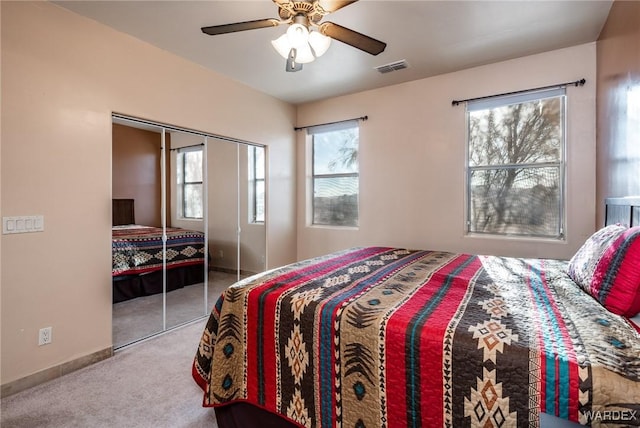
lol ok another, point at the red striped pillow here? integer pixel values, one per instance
(616, 281)
(584, 262)
(607, 267)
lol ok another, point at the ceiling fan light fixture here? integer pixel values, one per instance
(298, 35)
(282, 46)
(316, 45)
(319, 43)
(304, 55)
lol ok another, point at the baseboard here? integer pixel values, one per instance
(243, 272)
(54, 372)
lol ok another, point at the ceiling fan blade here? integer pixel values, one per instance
(333, 5)
(353, 38)
(240, 26)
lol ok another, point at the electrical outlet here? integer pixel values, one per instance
(44, 336)
(221, 254)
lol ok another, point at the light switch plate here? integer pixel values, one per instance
(22, 224)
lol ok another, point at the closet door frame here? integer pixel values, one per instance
(207, 140)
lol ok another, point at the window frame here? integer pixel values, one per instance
(182, 182)
(253, 184)
(561, 164)
(312, 132)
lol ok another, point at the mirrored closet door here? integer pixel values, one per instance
(186, 244)
(188, 221)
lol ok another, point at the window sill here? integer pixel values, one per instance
(332, 227)
(559, 241)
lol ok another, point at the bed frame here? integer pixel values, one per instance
(625, 211)
(123, 212)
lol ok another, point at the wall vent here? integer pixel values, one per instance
(388, 68)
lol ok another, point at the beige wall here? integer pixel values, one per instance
(412, 156)
(135, 166)
(619, 104)
(62, 77)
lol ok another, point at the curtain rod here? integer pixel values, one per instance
(187, 147)
(576, 83)
(299, 128)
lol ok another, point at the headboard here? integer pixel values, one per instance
(122, 212)
(625, 211)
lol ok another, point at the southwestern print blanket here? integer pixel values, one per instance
(138, 249)
(383, 337)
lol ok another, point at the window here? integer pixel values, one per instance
(256, 184)
(189, 173)
(515, 164)
(335, 178)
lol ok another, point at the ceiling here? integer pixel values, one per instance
(434, 37)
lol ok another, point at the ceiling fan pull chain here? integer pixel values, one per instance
(292, 64)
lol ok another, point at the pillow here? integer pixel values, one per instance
(584, 262)
(607, 267)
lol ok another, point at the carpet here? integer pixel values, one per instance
(147, 384)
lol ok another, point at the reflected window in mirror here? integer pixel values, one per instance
(256, 184)
(190, 188)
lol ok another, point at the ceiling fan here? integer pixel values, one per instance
(306, 38)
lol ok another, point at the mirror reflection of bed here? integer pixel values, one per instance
(147, 188)
(138, 275)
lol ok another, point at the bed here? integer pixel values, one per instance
(390, 337)
(137, 257)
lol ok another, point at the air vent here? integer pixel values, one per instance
(388, 68)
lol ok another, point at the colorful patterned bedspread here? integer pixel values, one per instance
(138, 249)
(382, 337)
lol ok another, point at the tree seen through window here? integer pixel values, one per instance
(515, 161)
(335, 177)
